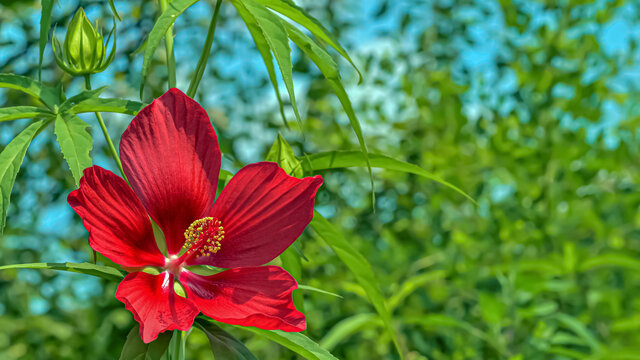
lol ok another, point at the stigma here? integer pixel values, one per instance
(203, 237)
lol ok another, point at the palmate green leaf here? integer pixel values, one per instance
(163, 23)
(274, 40)
(289, 9)
(23, 112)
(347, 327)
(135, 349)
(101, 271)
(342, 159)
(45, 26)
(107, 105)
(295, 342)
(358, 265)
(75, 142)
(330, 70)
(50, 96)
(223, 345)
(10, 160)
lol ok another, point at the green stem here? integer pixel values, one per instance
(112, 148)
(168, 41)
(202, 63)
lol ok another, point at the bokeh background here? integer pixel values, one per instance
(529, 106)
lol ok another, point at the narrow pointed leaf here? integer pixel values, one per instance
(135, 349)
(320, 291)
(412, 284)
(10, 160)
(23, 112)
(80, 97)
(114, 11)
(75, 142)
(329, 69)
(45, 27)
(223, 345)
(101, 271)
(342, 159)
(107, 105)
(48, 95)
(295, 342)
(289, 9)
(347, 327)
(358, 265)
(265, 52)
(164, 22)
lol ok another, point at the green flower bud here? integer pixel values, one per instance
(84, 50)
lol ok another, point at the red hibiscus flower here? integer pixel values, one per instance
(171, 157)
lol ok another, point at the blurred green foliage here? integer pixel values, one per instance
(546, 266)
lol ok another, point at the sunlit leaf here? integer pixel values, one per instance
(358, 265)
(295, 342)
(610, 260)
(282, 154)
(45, 26)
(48, 95)
(23, 112)
(223, 345)
(101, 271)
(163, 23)
(289, 9)
(75, 142)
(10, 160)
(579, 329)
(135, 349)
(80, 97)
(342, 159)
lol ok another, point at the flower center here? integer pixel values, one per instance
(203, 237)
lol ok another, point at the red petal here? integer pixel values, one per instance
(253, 296)
(263, 211)
(171, 157)
(119, 227)
(155, 305)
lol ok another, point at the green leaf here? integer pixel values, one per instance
(45, 27)
(579, 329)
(10, 161)
(104, 272)
(257, 17)
(295, 342)
(329, 69)
(289, 9)
(347, 327)
(412, 284)
(48, 95)
(359, 266)
(80, 97)
(315, 289)
(164, 22)
(282, 153)
(223, 345)
(114, 11)
(342, 159)
(75, 142)
(135, 349)
(610, 260)
(107, 105)
(23, 112)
